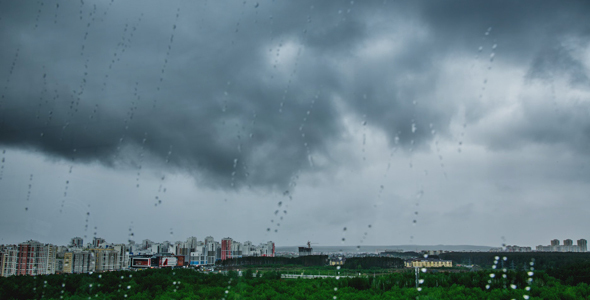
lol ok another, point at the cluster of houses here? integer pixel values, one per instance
(35, 258)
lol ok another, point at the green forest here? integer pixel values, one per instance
(565, 282)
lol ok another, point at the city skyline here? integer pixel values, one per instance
(552, 242)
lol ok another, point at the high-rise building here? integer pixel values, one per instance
(217, 251)
(236, 249)
(77, 242)
(247, 249)
(583, 245)
(106, 259)
(226, 248)
(568, 246)
(191, 244)
(81, 262)
(146, 244)
(8, 261)
(98, 242)
(167, 247)
(49, 259)
(211, 250)
(68, 264)
(199, 256)
(33, 258)
(270, 249)
(122, 262)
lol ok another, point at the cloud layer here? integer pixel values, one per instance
(256, 94)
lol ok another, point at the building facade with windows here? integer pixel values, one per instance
(35, 258)
(8, 261)
(429, 263)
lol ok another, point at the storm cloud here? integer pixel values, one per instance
(253, 95)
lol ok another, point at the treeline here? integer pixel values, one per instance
(315, 261)
(518, 261)
(307, 261)
(189, 284)
(572, 274)
(373, 262)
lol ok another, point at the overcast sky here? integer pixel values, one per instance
(338, 122)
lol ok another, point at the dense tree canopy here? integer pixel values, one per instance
(568, 283)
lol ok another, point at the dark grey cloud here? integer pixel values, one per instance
(207, 86)
(556, 61)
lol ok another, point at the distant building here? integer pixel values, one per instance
(159, 260)
(59, 265)
(8, 261)
(146, 244)
(268, 249)
(98, 242)
(583, 245)
(166, 247)
(191, 244)
(77, 242)
(68, 263)
(429, 263)
(226, 248)
(248, 249)
(305, 251)
(122, 262)
(106, 260)
(236, 249)
(50, 259)
(336, 260)
(568, 246)
(181, 248)
(516, 248)
(199, 256)
(35, 258)
(82, 262)
(210, 250)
